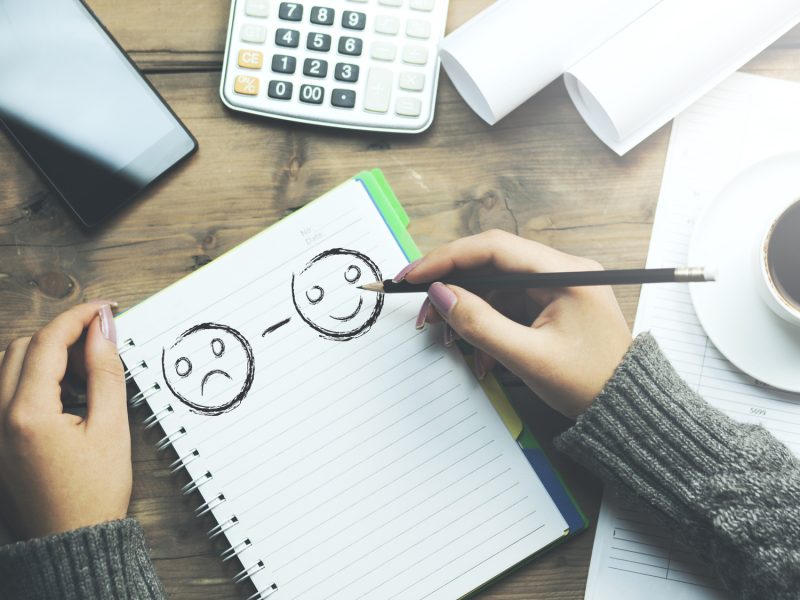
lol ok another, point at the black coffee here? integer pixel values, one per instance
(783, 255)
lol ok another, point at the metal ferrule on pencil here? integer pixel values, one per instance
(694, 274)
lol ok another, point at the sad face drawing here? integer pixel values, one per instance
(210, 368)
(326, 295)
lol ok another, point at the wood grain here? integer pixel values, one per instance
(539, 173)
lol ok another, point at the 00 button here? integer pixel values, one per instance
(311, 94)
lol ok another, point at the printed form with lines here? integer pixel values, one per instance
(743, 121)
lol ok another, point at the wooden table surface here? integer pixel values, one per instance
(539, 173)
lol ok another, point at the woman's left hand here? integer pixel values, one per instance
(58, 471)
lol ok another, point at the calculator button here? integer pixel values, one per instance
(321, 42)
(391, 2)
(312, 94)
(257, 8)
(346, 72)
(284, 64)
(254, 34)
(387, 25)
(350, 45)
(321, 15)
(250, 59)
(314, 67)
(379, 90)
(289, 38)
(418, 29)
(408, 107)
(280, 90)
(415, 55)
(343, 98)
(426, 5)
(353, 20)
(244, 84)
(290, 11)
(413, 82)
(383, 51)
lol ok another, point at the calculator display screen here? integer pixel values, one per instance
(80, 109)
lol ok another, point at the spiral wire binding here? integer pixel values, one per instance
(155, 418)
(165, 442)
(196, 483)
(234, 550)
(210, 505)
(135, 370)
(170, 438)
(248, 572)
(181, 462)
(263, 594)
(139, 398)
(222, 527)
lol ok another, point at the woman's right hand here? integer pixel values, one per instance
(564, 343)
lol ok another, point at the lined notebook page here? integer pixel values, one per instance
(362, 461)
(745, 120)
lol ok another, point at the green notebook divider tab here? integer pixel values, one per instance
(393, 213)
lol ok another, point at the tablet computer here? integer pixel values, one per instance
(80, 109)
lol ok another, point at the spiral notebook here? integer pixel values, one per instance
(342, 453)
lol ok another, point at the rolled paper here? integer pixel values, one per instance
(630, 65)
(514, 48)
(669, 58)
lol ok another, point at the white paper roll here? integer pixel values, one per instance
(511, 50)
(668, 58)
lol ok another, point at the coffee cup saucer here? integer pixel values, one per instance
(731, 310)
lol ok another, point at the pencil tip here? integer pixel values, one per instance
(372, 287)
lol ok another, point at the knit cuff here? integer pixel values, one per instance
(650, 434)
(106, 561)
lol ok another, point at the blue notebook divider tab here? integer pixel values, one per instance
(555, 488)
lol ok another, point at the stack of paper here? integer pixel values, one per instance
(743, 121)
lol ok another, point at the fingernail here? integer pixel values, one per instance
(442, 298)
(480, 370)
(405, 271)
(450, 335)
(107, 326)
(111, 303)
(423, 312)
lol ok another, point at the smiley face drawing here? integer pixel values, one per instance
(209, 368)
(326, 295)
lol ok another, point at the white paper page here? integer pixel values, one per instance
(510, 51)
(743, 121)
(370, 467)
(668, 58)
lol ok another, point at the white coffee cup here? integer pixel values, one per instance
(779, 263)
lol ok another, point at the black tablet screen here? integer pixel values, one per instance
(82, 112)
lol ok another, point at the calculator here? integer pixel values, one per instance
(358, 64)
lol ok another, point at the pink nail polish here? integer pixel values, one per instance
(480, 370)
(442, 298)
(111, 303)
(107, 326)
(450, 335)
(405, 271)
(423, 312)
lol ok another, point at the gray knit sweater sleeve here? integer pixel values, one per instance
(732, 490)
(109, 561)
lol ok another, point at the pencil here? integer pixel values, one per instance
(544, 280)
